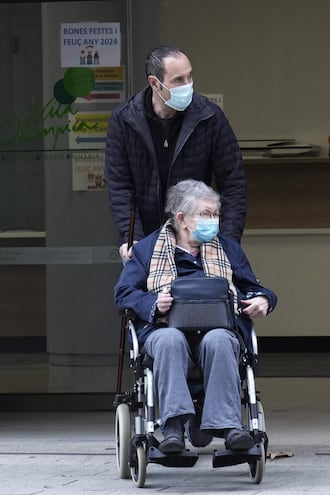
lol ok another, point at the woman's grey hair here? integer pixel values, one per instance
(183, 198)
(154, 65)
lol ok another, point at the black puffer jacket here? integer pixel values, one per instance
(206, 147)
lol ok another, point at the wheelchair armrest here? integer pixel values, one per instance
(130, 318)
(254, 342)
(135, 351)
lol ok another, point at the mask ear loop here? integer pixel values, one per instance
(162, 84)
(159, 94)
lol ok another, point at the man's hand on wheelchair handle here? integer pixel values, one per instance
(125, 253)
(256, 307)
(164, 301)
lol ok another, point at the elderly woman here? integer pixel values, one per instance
(189, 244)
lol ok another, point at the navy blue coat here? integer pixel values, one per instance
(131, 288)
(206, 147)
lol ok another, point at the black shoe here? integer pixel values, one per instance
(238, 439)
(172, 445)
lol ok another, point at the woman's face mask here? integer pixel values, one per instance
(206, 229)
(181, 96)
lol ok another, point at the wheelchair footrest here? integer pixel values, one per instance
(222, 458)
(184, 459)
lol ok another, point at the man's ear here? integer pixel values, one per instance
(152, 80)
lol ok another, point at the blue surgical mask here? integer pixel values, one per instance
(206, 229)
(181, 96)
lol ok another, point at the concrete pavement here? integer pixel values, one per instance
(73, 453)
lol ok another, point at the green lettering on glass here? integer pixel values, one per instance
(14, 130)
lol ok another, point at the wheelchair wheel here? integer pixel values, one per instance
(139, 470)
(257, 468)
(123, 432)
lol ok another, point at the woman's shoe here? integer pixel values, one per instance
(172, 445)
(236, 439)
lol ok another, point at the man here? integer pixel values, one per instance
(164, 134)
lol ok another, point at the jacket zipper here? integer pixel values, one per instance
(179, 147)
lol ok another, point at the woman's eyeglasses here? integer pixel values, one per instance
(206, 215)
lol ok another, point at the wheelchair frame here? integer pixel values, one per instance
(134, 451)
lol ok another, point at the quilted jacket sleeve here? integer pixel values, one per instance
(118, 176)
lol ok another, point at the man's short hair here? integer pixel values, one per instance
(154, 65)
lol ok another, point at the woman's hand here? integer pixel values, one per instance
(164, 301)
(256, 307)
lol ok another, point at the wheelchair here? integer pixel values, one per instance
(136, 422)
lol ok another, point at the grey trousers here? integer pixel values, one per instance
(217, 354)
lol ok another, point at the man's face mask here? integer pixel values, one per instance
(181, 96)
(206, 229)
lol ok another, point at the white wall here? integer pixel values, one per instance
(296, 266)
(270, 59)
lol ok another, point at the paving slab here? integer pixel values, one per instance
(73, 453)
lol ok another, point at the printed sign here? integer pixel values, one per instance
(88, 171)
(109, 86)
(217, 98)
(95, 44)
(89, 130)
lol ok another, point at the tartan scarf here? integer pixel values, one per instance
(163, 271)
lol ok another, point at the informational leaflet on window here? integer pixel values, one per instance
(91, 44)
(88, 171)
(109, 86)
(87, 138)
(89, 129)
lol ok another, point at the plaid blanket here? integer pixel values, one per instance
(163, 270)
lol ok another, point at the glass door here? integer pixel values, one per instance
(66, 68)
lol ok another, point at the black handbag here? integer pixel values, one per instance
(201, 304)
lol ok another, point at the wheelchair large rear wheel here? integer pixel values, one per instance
(139, 469)
(123, 433)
